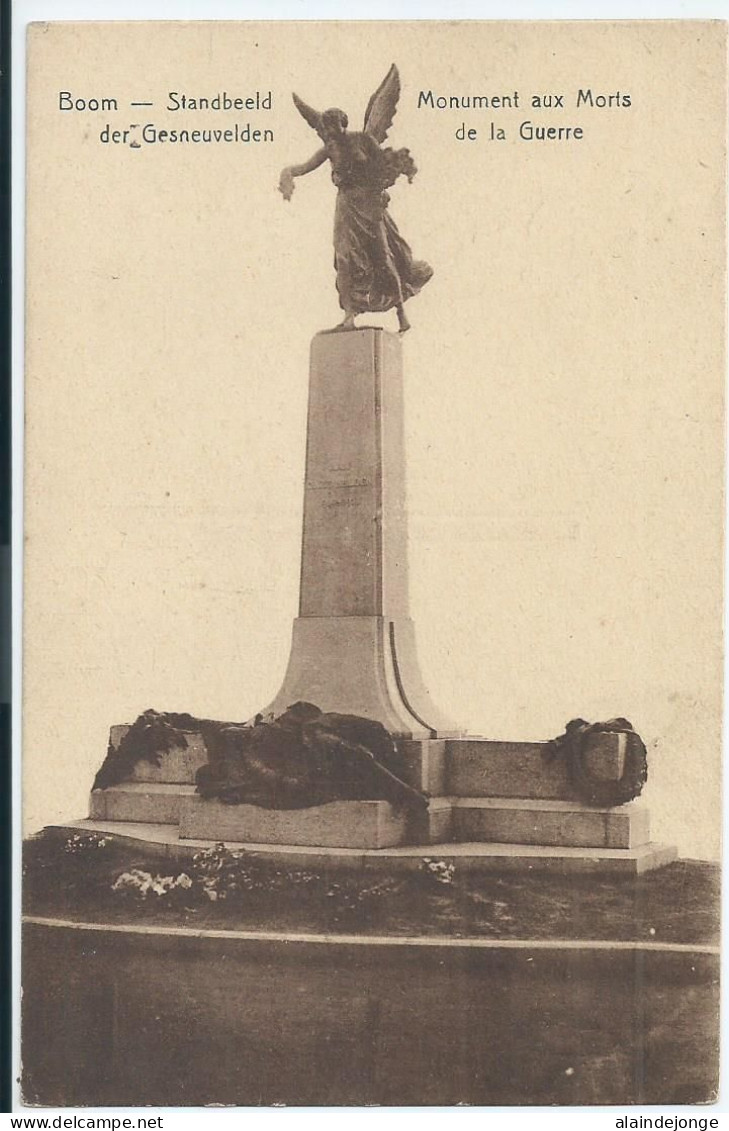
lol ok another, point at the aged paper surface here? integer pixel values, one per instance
(564, 378)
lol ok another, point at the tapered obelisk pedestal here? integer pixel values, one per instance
(353, 647)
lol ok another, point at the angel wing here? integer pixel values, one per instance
(313, 117)
(382, 106)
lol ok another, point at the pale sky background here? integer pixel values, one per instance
(564, 381)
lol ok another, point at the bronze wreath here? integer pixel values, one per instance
(572, 745)
(151, 735)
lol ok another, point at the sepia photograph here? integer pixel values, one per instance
(373, 563)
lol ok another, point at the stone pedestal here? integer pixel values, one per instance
(353, 646)
(492, 804)
(502, 803)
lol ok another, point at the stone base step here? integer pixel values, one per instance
(345, 824)
(339, 824)
(528, 821)
(377, 824)
(555, 823)
(164, 841)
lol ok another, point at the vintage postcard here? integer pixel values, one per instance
(373, 562)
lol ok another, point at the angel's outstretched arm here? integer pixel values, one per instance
(286, 182)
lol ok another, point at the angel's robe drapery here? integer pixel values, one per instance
(374, 265)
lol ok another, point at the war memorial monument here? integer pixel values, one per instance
(352, 757)
(348, 785)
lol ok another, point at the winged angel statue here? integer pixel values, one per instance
(374, 265)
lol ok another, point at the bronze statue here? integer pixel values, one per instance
(305, 757)
(302, 758)
(374, 265)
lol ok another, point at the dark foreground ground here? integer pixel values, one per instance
(126, 1016)
(73, 877)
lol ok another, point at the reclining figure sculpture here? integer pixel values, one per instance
(302, 758)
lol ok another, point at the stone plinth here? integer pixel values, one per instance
(480, 767)
(472, 856)
(340, 824)
(557, 823)
(353, 645)
(140, 801)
